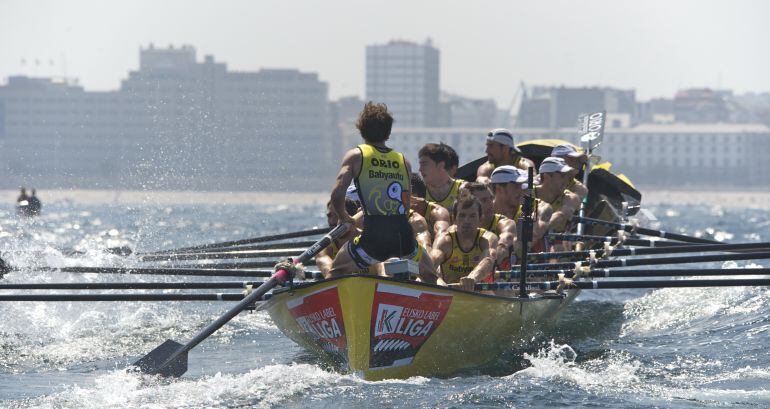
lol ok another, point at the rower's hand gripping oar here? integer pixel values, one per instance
(170, 358)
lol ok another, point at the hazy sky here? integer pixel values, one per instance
(487, 47)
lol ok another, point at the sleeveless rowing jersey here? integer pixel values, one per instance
(449, 200)
(383, 183)
(461, 262)
(518, 163)
(494, 224)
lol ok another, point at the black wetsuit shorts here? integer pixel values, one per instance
(383, 237)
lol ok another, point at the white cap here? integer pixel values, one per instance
(509, 174)
(352, 193)
(566, 150)
(503, 136)
(551, 164)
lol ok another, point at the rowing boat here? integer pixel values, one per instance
(380, 327)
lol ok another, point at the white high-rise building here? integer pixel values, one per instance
(405, 76)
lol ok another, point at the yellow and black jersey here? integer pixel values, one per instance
(383, 182)
(461, 262)
(449, 200)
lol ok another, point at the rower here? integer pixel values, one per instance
(436, 216)
(325, 258)
(441, 188)
(463, 252)
(555, 174)
(501, 150)
(382, 178)
(576, 160)
(503, 227)
(509, 185)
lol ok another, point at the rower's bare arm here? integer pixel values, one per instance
(485, 264)
(359, 219)
(421, 233)
(571, 204)
(507, 229)
(493, 244)
(440, 217)
(483, 172)
(561, 217)
(408, 172)
(526, 163)
(351, 164)
(544, 215)
(579, 189)
(439, 253)
(324, 262)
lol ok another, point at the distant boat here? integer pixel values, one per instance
(29, 207)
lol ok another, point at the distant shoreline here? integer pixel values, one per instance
(167, 197)
(650, 196)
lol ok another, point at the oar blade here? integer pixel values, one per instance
(153, 363)
(4, 268)
(120, 251)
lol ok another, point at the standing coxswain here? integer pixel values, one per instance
(382, 178)
(501, 150)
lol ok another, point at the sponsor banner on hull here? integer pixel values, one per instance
(320, 315)
(402, 320)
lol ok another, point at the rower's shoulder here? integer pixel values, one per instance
(485, 169)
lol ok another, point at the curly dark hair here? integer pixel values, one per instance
(375, 122)
(437, 153)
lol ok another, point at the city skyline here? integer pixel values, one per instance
(641, 46)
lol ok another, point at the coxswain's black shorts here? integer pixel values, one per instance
(383, 237)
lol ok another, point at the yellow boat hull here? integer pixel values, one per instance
(381, 328)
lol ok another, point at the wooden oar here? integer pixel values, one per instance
(236, 265)
(198, 285)
(123, 297)
(654, 261)
(170, 358)
(645, 231)
(225, 255)
(613, 240)
(234, 243)
(207, 272)
(613, 273)
(649, 251)
(602, 285)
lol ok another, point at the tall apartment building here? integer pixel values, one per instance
(557, 107)
(405, 76)
(174, 123)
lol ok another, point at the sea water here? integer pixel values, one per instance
(612, 348)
